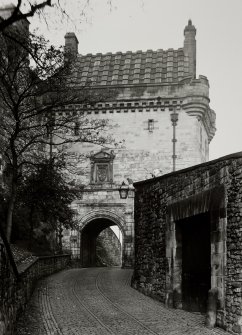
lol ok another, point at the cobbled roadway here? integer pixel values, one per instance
(100, 301)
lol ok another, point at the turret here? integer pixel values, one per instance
(71, 44)
(190, 47)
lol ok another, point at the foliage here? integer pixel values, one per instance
(35, 86)
(44, 200)
(47, 191)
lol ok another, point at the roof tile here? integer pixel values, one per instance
(161, 66)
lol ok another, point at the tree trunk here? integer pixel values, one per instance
(31, 227)
(10, 209)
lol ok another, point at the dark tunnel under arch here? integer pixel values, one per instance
(89, 235)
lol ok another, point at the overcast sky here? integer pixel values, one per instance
(159, 24)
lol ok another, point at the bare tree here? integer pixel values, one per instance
(35, 87)
(26, 9)
(12, 14)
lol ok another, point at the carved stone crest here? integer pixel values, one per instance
(102, 167)
(102, 172)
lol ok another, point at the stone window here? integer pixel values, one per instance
(102, 167)
(150, 125)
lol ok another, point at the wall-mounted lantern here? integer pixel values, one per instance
(123, 190)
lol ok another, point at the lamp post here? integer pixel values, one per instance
(123, 190)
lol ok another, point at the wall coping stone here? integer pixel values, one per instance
(236, 155)
(24, 267)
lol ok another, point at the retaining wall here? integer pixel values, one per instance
(15, 292)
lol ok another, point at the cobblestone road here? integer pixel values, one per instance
(100, 301)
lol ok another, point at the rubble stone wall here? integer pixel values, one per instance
(16, 293)
(108, 248)
(214, 187)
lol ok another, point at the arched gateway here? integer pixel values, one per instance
(91, 225)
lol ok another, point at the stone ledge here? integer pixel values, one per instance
(236, 155)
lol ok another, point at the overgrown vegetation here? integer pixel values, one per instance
(35, 85)
(43, 207)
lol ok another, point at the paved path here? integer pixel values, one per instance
(100, 301)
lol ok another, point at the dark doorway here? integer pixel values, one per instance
(100, 246)
(196, 262)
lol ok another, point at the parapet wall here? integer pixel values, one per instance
(213, 189)
(15, 292)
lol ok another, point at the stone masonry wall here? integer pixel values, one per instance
(104, 203)
(108, 248)
(214, 187)
(142, 149)
(16, 293)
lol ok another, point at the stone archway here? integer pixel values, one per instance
(207, 212)
(91, 226)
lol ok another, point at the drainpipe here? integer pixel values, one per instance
(174, 119)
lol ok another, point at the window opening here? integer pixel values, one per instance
(151, 125)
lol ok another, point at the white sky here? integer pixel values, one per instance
(159, 24)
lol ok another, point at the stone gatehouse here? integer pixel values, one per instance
(188, 240)
(161, 114)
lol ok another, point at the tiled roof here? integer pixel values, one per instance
(130, 68)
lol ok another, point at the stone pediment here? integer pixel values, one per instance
(102, 155)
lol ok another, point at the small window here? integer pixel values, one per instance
(150, 125)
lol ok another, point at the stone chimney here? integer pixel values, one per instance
(190, 47)
(71, 44)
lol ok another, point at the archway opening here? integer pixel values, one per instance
(101, 243)
(194, 259)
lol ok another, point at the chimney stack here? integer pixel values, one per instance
(190, 47)
(71, 44)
